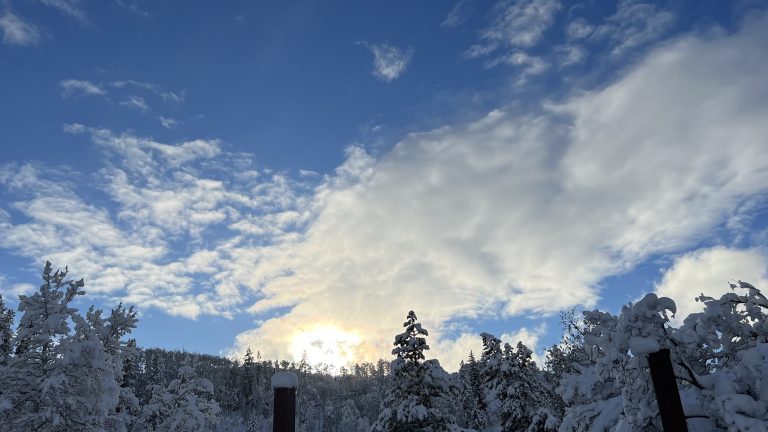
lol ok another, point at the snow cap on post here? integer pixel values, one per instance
(285, 380)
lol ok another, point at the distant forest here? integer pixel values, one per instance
(61, 370)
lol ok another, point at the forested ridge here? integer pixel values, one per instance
(62, 370)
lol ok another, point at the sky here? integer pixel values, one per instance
(296, 176)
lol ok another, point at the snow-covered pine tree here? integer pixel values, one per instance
(6, 331)
(131, 368)
(422, 397)
(8, 375)
(57, 379)
(473, 394)
(154, 374)
(527, 404)
(34, 371)
(247, 385)
(111, 333)
(185, 405)
(351, 420)
(491, 361)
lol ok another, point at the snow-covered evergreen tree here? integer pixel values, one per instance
(185, 405)
(527, 404)
(6, 331)
(491, 361)
(131, 367)
(351, 420)
(473, 394)
(248, 385)
(422, 397)
(58, 379)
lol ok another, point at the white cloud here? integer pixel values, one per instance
(708, 271)
(528, 212)
(138, 84)
(167, 96)
(174, 97)
(389, 62)
(168, 123)
(132, 7)
(528, 65)
(67, 7)
(579, 28)
(635, 23)
(570, 55)
(159, 195)
(12, 291)
(136, 102)
(517, 24)
(457, 15)
(73, 86)
(17, 31)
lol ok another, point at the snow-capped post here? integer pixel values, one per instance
(667, 393)
(284, 418)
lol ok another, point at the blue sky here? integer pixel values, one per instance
(298, 175)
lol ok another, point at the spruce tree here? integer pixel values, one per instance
(247, 386)
(186, 404)
(422, 396)
(473, 392)
(6, 331)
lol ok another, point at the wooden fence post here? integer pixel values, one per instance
(284, 385)
(667, 393)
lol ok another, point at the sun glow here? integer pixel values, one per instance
(325, 345)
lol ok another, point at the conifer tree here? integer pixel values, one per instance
(59, 378)
(186, 404)
(6, 331)
(248, 385)
(473, 394)
(422, 395)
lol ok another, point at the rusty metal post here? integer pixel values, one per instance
(284, 385)
(667, 393)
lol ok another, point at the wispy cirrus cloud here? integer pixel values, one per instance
(168, 122)
(579, 28)
(527, 64)
(136, 102)
(18, 31)
(70, 8)
(138, 84)
(133, 7)
(389, 62)
(634, 23)
(516, 24)
(458, 14)
(70, 87)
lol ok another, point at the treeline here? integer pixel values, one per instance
(63, 371)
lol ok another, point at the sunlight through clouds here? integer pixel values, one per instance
(520, 211)
(459, 221)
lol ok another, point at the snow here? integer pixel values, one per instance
(643, 345)
(285, 380)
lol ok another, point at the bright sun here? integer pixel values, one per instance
(325, 345)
